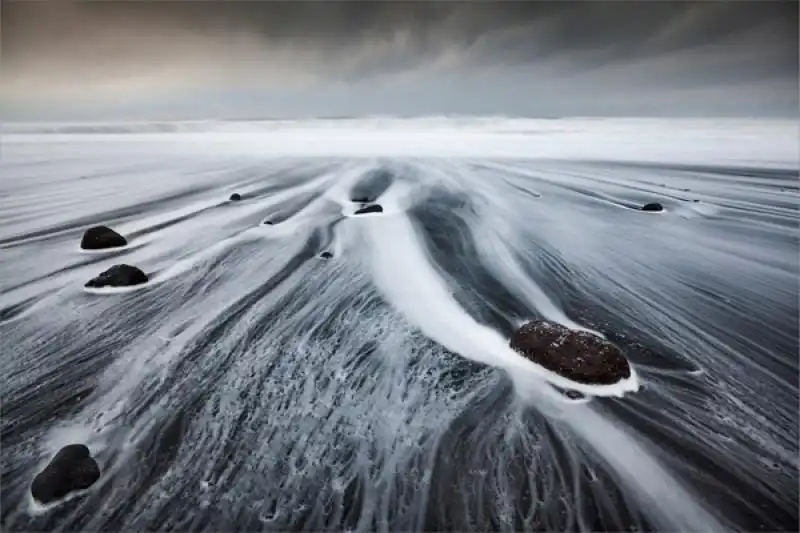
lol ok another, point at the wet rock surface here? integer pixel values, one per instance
(119, 276)
(72, 469)
(653, 207)
(576, 355)
(375, 208)
(101, 238)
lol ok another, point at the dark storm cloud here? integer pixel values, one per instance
(336, 58)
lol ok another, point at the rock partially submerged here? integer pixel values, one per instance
(235, 197)
(119, 276)
(576, 355)
(71, 470)
(101, 238)
(326, 255)
(653, 207)
(374, 208)
(573, 395)
(360, 200)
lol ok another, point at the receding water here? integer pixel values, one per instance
(253, 385)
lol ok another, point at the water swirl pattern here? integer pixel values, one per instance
(253, 385)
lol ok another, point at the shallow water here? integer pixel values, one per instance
(253, 385)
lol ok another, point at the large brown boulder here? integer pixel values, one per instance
(575, 355)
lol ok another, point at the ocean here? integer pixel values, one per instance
(254, 385)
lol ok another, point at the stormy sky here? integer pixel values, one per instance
(157, 59)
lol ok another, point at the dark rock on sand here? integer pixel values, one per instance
(119, 276)
(268, 222)
(326, 255)
(71, 470)
(375, 208)
(573, 395)
(654, 207)
(235, 197)
(102, 237)
(576, 355)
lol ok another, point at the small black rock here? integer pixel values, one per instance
(72, 469)
(102, 237)
(326, 255)
(573, 395)
(235, 197)
(119, 276)
(268, 223)
(360, 200)
(375, 208)
(653, 207)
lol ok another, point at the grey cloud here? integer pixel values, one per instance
(340, 58)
